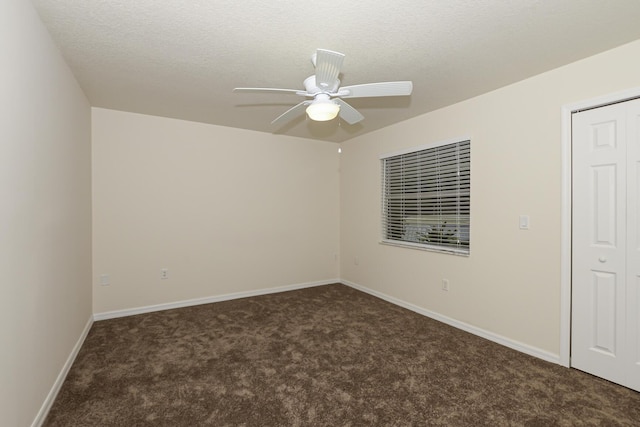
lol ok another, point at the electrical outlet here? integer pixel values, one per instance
(445, 284)
(164, 274)
(105, 280)
(356, 261)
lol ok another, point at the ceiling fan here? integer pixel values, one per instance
(326, 95)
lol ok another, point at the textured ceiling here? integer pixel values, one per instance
(182, 58)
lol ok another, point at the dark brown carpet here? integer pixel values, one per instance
(325, 356)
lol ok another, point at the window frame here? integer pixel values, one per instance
(464, 251)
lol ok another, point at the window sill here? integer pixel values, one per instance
(409, 245)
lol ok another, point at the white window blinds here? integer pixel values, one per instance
(426, 197)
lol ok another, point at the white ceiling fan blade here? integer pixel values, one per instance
(269, 90)
(291, 113)
(377, 89)
(328, 65)
(348, 113)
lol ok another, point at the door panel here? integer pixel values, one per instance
(604, 309)
(599, 331)
(603, 135)
(605, 205)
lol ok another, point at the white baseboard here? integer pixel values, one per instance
(516, 345)
(208, 300)
(51, 397)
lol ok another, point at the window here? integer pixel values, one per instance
(426, 197)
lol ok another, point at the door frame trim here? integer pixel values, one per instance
(566, 202)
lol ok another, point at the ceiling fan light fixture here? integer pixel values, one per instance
(322, 110)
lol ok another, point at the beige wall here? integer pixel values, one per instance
(510, 285)
(45, 220)
(224, 210)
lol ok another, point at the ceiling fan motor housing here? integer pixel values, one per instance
(312, 88)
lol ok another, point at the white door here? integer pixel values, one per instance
(605, 331)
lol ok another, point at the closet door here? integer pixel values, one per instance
(605, 297)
